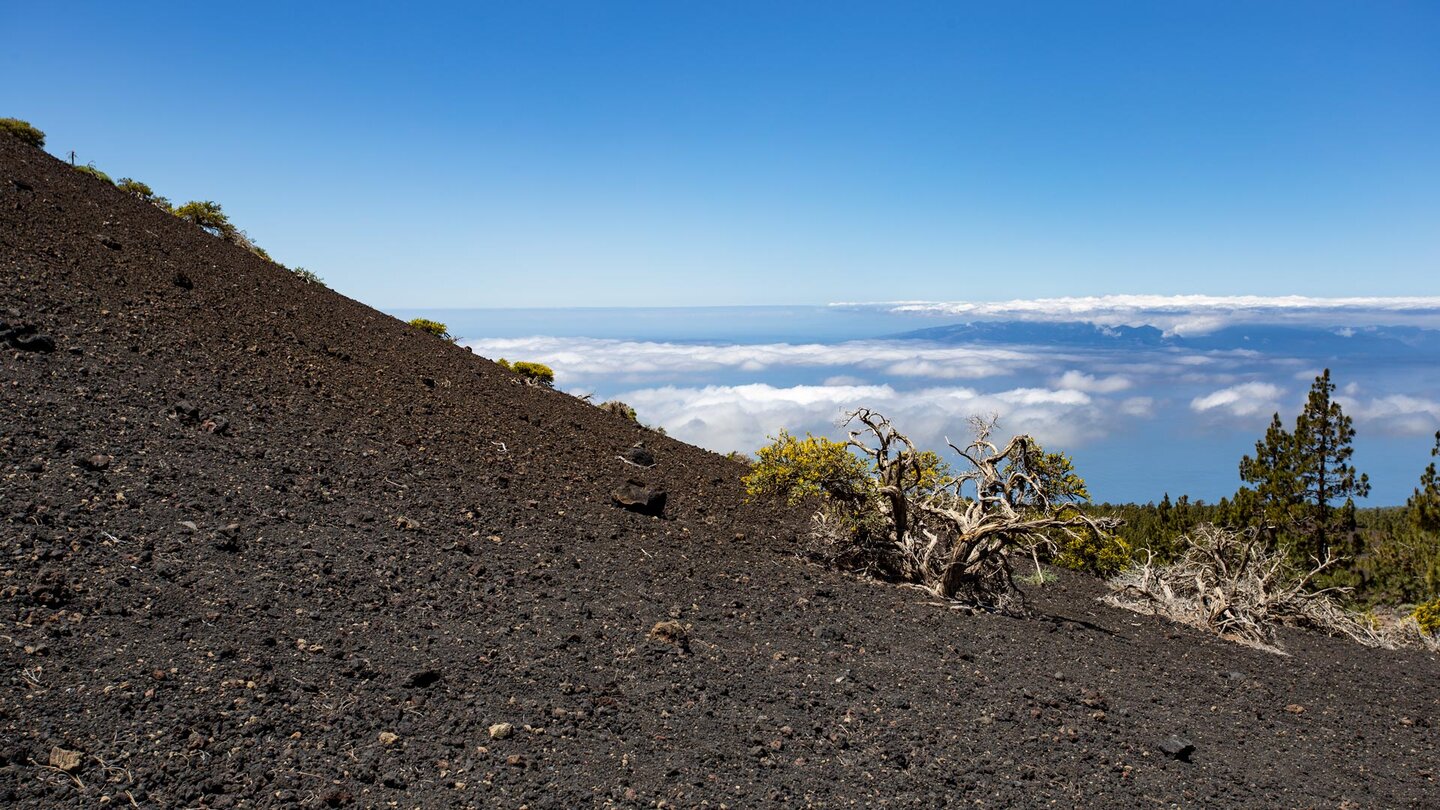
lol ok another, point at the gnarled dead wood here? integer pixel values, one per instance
(955, 536)
(1231, 583)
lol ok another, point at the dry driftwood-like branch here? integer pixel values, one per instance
(955, 535)
(1230, 583)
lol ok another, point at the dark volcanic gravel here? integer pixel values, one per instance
(261, 545)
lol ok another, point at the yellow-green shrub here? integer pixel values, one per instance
(537, 373)
(22, 130)
(794, 469)
(435, 328)
(90, 169)
(1102, 554)
(207, 214)
(130, 185)
(1428, 617)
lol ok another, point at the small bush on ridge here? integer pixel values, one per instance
(22, 130)
(143, 191)
(619, 408)
(535, 373)
(89, 168)
(208, 216)
(307, 276)
(435, 328)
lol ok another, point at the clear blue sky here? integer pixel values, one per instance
(667, 153)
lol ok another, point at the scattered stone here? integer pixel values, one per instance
(515, 760)
(500, 731)
(637, 454)
(64, 759)
(388, 737)
(96, 463)
(26, 339)
(1295, 708)
(407, 524)
(1177, 747)
(185, 411)
(189, 526)
(636, 497)
(671, 631)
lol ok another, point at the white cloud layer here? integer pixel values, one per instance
(1187, 314)
(741, 417)
(1244, 400)
(1077, 380)
(580, 359)
(1397, 414)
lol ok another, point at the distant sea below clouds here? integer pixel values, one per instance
(1150, 394)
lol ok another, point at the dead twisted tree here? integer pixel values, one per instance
(955, 534)
(1233, 584)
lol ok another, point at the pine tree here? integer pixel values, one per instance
(1297, 477)
(1323, 434)
(1423, 507)
(1273, 502)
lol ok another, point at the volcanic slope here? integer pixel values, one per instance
(265, 546)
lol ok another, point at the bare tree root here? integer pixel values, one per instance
(1230, 583)
(955, 536)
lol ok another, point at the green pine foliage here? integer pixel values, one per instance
(22, 130)
(1302, 485)
(1323, 439)
(1423, 507)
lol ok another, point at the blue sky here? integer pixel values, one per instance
(525, 154)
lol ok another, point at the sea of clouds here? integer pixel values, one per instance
(734, 396)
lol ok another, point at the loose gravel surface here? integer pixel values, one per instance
(261, 545)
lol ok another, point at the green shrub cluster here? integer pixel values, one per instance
(208, 215)
(22, 130)
(89, 168)
(1427, 616)
(307, 276)
(143, 191)
(620, 409)
(795, 469)
(533, 373)
(1102, 554)
(435, 328)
